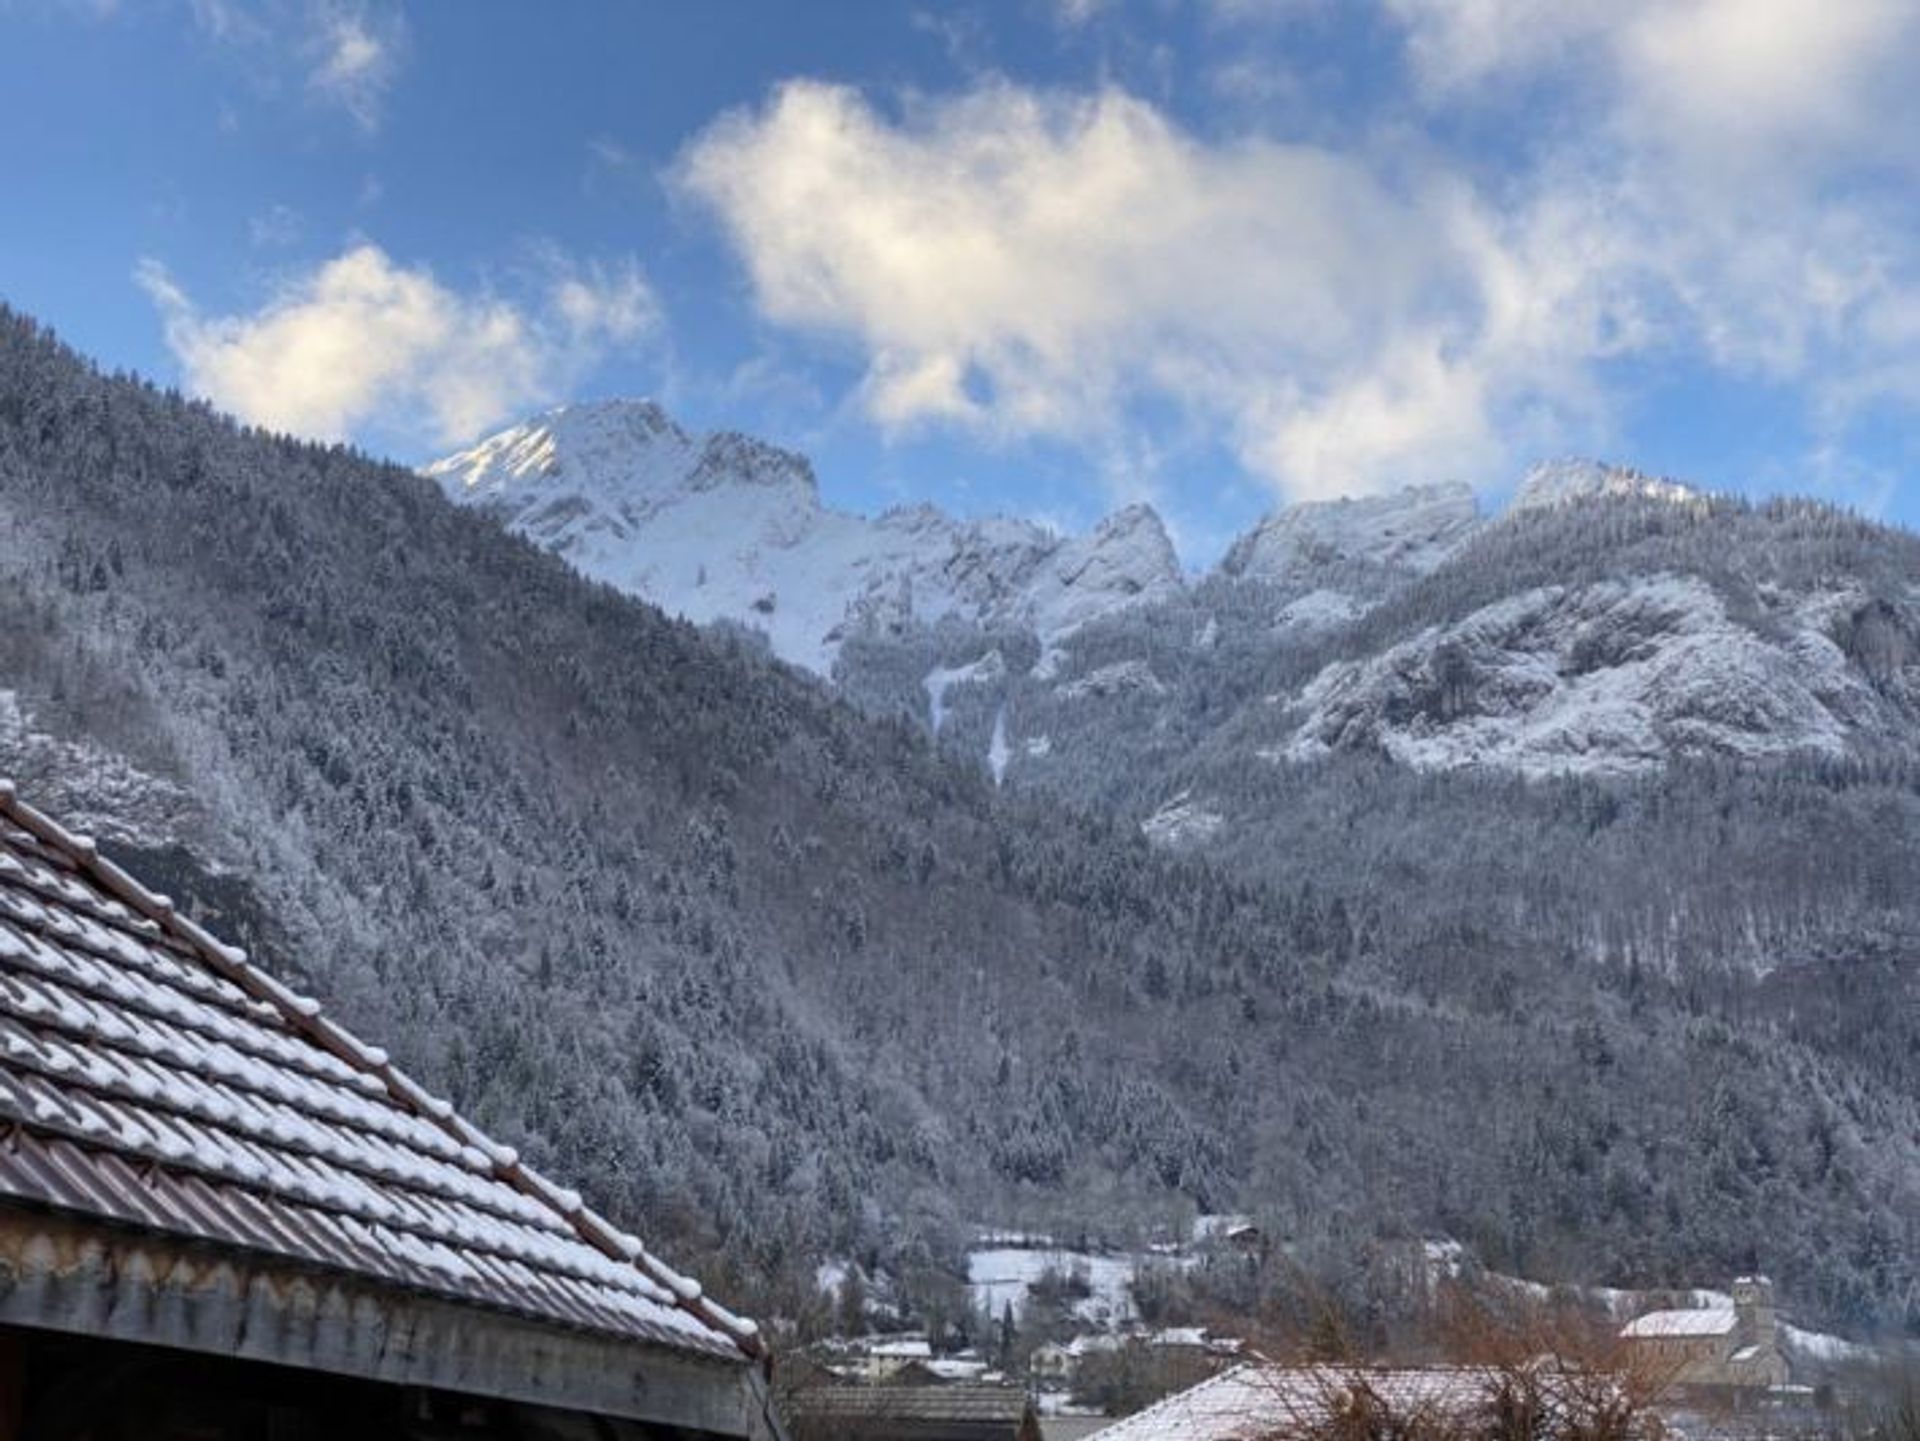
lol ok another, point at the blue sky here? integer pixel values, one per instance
(1034, 255)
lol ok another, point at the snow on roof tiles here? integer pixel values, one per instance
(1257, 1401)
(1696, 1321)
(153, 1076)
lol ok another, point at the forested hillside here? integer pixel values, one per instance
(774, 980)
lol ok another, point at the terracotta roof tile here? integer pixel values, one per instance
(153, 1076)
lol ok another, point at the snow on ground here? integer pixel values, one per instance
(998, 753)
(1182, 821)
(1411, 530)
(1819, 1346)
(1318, 608)
(998, 1277)
(987, 670)
(1561, 482)
(1120, 678)
(1613, 677)
(830, 1276)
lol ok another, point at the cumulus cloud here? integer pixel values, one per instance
(363, 339)
(1761, 152)
(1034, 264)
(1725, 183)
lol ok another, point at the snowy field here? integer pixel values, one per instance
(999, 1277)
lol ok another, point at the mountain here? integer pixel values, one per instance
(723, 527)
(1566, 482)
(1409, 532)
(780, 979)
(1622, 674)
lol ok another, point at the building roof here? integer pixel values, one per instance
(1697, 1321)
(953, 1407)
(958, 1401)
(153, 1077)
(1258, 1400)
(915, 1349)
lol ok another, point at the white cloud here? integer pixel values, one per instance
(1725, 184)
(355, 58)
(1761, 153)
(362, 340)
(346, 53)
(1771, 85)
(1034, 264)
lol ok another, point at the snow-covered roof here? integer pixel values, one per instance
(1694, 1321)
(1258, 1400)
(154, 1077)
(1192, 1337)
(954, 1369)
(909, 1350)
(979, 1402)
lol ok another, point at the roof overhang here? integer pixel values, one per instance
(77, 1276)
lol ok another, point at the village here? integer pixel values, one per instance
(1067, 1353)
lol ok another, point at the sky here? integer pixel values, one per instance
(1037, 256)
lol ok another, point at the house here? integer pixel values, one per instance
(1051, 1364)
(1265, 1402)
(1729, 1348)
(957, 1411)
(878, 1361)
(224, 1215)
(1247, 1238)
(1058, 1364)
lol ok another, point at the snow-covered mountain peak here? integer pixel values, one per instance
(1414, 529)
(726, 527)
(1561, 482)
(619, 453)
(1129, 550)
(730, 458)
(1125, 560)
(589, 445)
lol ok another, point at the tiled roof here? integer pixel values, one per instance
(1696, 1321)
(1262, 1400)
(953, 1401)
(154, 1077)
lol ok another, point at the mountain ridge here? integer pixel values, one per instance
(783, 981)
(591, 481)
(1004, 621)
(627, 496)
